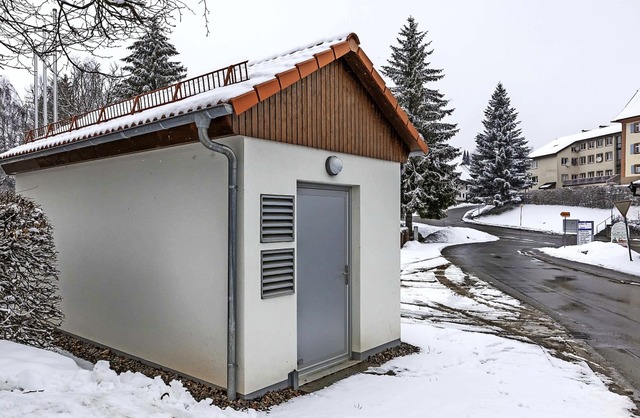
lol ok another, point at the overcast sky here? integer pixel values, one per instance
(567, 65)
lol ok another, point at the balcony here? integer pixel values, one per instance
(615, 179)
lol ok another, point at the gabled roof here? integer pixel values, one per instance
(563, 142)
(631, 110)
(265, 78)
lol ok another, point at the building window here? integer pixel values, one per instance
(608, 156)
(591, 144)
(534, 179)
(634, 127)
(599, 158)
(564, 177)
(574, 176)
(599, 173)
(591, 159)
(635, 148)
(599, 142)
(583, 145)
(635, 169)
(591, 174)
(608, 172)
(574, 161)
(583, 160)
(564, 161)
(608, 141)
(533, 164)
(583, 175)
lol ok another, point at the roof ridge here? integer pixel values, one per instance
(340, 37)
(633, 112)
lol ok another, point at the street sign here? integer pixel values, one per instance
(585, 232)
(565, 214)
(570, 226)
(623, 207)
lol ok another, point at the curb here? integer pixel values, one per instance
(613, 275)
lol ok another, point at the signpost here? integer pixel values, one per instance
(623, 207)
(565, 215)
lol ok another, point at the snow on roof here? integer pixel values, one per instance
(260, 72)
(563, 142)
(463, 169)
(465, 173)
(632, 108)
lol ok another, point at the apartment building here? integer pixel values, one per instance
(585, 159)
(629, 119)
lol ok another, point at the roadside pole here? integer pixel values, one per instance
(565, 215)
(626, 226)
(521, 206)
(623, 207)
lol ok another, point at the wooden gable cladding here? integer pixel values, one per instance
(328, 109)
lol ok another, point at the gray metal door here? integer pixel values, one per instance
(322, 276)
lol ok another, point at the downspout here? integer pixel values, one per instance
(203, 120)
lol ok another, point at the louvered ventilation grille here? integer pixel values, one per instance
(277, 273)
(276, 218)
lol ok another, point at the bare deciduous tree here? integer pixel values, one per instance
(76, 26)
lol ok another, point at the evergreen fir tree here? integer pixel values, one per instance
(149, 66)
(428, 182)
(466, 159)
(499, 165)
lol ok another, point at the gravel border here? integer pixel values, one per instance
(120, 363)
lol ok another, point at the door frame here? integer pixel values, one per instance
(349, 329)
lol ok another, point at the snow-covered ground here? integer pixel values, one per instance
(473, 363)
(547, 218)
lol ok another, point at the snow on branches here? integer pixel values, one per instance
(29, 299)
(499, 164)
(428, 181)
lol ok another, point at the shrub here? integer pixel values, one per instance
(591, 197)
(29, 299)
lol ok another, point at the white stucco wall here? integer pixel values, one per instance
(142, 253)
(268, 327)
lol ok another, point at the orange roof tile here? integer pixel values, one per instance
(307, 67)
(267, 89)
(325, 58)
(287, 78)
(244, 101)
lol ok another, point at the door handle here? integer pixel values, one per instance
(345, 273)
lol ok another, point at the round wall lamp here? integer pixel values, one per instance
(333, 165)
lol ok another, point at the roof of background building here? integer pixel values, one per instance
(563, 142)
(632, 109)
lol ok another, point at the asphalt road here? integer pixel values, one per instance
(596, 305)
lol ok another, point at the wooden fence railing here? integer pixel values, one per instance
(232, 74)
